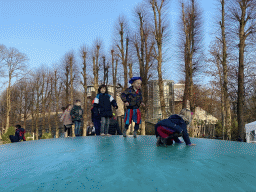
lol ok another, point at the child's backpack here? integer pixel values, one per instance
(21, 132)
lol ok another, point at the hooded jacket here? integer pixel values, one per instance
(176, 124)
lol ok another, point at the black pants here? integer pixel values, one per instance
(13, 138)
(136, 127)
(68, 128)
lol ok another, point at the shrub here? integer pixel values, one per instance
(5, 137)
(28, 135)
(46, 136)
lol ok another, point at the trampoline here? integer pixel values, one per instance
(114, 163)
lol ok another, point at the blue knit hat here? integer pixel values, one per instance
(134, 79)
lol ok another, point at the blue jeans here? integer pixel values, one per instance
(77, 127)
(104, 125)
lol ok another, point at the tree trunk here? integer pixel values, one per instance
(161, 84)
(240, 103)
(124, 55)
(114, 72)
(67, 85)
(37, 111)
(186, 60)
(71, 80)
(56, 92)
(50, 108)
(85, 115)
(43, 105)
(159, 39)
(225, 73)
(8, 106)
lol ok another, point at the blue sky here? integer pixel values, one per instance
(46, 30)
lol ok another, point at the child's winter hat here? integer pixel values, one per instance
(134, 79)
(186, 115)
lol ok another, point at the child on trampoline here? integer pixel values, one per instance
(168, 130)
(103, 102)
(132, 99)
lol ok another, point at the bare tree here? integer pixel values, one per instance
(71, 73)
(224, 73)
(14, 63)
(144, 45)
(50, 100)
(159, 8)
(191, 47)
(38, 92)
(243, 15)
(122, 43)
(96, 66)
(105, 71)
(32, 104)
(217, 72)
(57, 91)
(45, 98)
(114, 70)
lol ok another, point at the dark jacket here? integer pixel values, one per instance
(134, 99)
(76, 113)
(177, 124)
(19, 135)
(103, 102)
(114, 127)
(95, 114)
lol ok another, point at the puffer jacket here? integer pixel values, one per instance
(102, 103)
(133, 98)
(176, 124)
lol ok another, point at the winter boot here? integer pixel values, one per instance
(124, 132)
(164, 142)
(135, 134)
(158, 141)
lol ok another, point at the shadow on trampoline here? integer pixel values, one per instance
(114, 163)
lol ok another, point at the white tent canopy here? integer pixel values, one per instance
(250, 129)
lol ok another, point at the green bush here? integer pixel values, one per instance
(218, 129)
(46, 136)
(28, 135)
(5, 137)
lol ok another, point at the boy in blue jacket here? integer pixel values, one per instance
(168, 130)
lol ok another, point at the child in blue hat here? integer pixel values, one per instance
(132, 99)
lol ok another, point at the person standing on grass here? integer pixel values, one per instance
(67, 121)
(77, 116)
(132, 99)
(103, 102)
